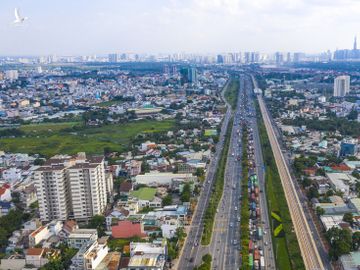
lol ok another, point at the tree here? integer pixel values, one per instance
(320, 211)
(39, 161)
(3, 237)
(313, 193)
(180, 233)
(356, 240)
(186, 193)
(353, 115)
(98, 222)
(340, 242)
(167, 200)
(348, 217)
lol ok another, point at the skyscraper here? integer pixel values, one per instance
(188, 75)
(355, 44)
(341, 86)
(113, 58)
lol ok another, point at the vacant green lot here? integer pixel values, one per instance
(144, 193)
(232, 92)
(109, 103)
(70, 138)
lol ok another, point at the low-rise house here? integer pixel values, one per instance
(5, 208)
(40, 256)
(5, 193)
(69, 227)
(350, 261)
(45, 232)
(28, 195)
(13, 262)
(80, 237)
(90, 255)
(127, 229)
(155, 179)
(341, 182)
(115, 216)
(169, 227)
(147, 255)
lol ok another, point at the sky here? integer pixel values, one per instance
(85, 27)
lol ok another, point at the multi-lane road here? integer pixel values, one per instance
(192, 250)
(260, 171)
(225, 242)
(309, 251)
(224, 246)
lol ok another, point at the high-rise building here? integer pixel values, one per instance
(279, 58)
(188, 75)
(11, 75)
(88, 187)
(355, 44)
(219, 59)
(341, 86)
(53, 191)
(113, 58)
(71, 187)
(298, 57)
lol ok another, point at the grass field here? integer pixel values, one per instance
(144, 193)
(109, 103)
(48, 139)
(232, 91)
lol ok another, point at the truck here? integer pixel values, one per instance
(251, 261)
(257, 211)
(250, 246)
(262, 262)
(256, 255)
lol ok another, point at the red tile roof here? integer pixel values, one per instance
(127, 229)
(341, 167)
(35, 251)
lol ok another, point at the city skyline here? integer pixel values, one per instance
(190, 26)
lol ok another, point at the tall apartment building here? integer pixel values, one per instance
(341, 86)
(88, 187)
(53, 192)
(71, 187)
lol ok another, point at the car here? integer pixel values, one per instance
(266, 243)
(236, 208)
(231, 224)
(191, 260)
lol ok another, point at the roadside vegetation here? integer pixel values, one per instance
(217, 190)
(285, 245)
(245, 215)
(206, 263)
(232, 92)
(48, 139)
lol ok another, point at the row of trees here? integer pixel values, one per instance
(341, 124)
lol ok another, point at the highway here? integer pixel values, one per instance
(309, 251)
(224, 246)
(192, 250)
(260, 171)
